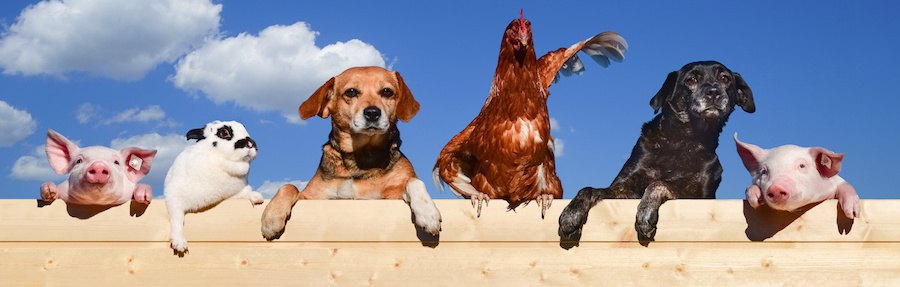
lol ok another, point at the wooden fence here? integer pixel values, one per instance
(374, 243)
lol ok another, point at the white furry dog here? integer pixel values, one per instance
(208, 172)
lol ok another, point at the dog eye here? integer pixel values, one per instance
(351, 93)
(692, 80)
(724, 79)
(387, 93)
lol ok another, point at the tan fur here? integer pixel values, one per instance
(353, 165)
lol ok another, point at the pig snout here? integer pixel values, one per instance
(780, 191)
(97, 173)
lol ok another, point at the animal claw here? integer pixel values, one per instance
(477, 200)
(545, 200)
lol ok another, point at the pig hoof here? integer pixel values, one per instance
(179, 246)
(48, 192)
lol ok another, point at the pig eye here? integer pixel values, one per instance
(78, 161)
(116, 162)
(802, 165)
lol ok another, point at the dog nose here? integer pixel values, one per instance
(372, 114)
(712, 92)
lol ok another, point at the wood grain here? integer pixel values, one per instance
(389, 220)
(374, 243)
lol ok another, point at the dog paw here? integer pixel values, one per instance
(272, 228)
(179, 246)
(48, 192)
(571, 221)
(645, 225)
(429, 219)
(143, 193)
(255, 198)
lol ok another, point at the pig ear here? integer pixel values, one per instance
(137, 162)
(317, 103)
(827, 162)
(750, 154)
(60, 152)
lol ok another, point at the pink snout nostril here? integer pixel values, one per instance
(777, 193)
(97, 173)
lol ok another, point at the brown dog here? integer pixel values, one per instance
(362, 158)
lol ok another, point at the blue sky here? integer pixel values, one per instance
(117, 72)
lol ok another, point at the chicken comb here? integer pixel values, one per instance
(522, 19)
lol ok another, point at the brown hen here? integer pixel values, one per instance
(506, 151)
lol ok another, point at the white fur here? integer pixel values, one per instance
(426, 213)
(204, 175)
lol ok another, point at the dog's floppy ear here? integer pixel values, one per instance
(745, 95)
(407, 106)
(667, 89)
(317, 104)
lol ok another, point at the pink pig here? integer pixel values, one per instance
(789, 177)
(97, 175)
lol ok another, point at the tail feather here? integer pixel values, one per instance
(436, 177)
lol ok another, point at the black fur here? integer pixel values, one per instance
(675, 157)
(246, 142)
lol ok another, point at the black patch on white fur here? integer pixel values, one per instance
(215, 144)
(245, 143)
(225, 133)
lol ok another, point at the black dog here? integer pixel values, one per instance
(675, 157)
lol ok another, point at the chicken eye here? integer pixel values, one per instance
(387, 92)
(725, 79)
(351, 93)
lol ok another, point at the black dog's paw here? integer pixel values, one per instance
(645, 225)
(646, 232)
(570, 223)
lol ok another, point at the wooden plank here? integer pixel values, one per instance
(389, 221)
(451, 264)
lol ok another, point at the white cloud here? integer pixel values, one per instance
(119, 39)
(554, 124)
(268, 188)
(15, 125)
(167, 148)
(151, 113)
(558, 147)
(35, 167)
(86, 112)
(274, 71)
